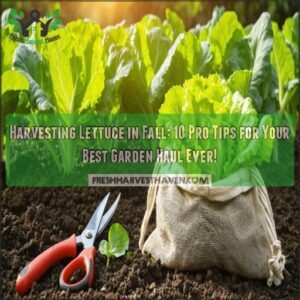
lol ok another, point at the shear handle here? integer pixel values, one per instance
(84, 261)
(37, 267)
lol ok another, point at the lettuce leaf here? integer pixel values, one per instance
(68, 74)
(185, 58)
(213, 96)
(125, 85)
(283, 63)
(131, 68)
(226, 32)
(151, 46)
(240, 81)
(30, 63)
(291, 34)
(14, 88)
(173, 24)
(14, 81)
(7, 50)
(261, 40)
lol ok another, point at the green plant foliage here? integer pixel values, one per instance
(212, 95)
(174, 25)
(68, 77)
(291, 34)
(14, 98)
(226, 31)
(261, 40)
(240, 81)
(283, 63)
(14, 90)
(12, 18)
(117, 244)
(14, 81)
(129, 69)
(29, 62)
(7, 51)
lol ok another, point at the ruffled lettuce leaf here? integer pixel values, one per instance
(212, 96)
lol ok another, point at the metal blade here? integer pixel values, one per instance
(89, 234)
(108, 215)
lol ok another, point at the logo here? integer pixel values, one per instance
(36, 29)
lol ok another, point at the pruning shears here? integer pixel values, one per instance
(68, 248)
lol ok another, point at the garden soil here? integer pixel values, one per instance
(36, 218)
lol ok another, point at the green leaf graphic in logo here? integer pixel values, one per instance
(13, 20)
(56, 12)
(21, 15)
(54, 25)
(13, 13)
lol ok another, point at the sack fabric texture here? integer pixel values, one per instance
(229, 227)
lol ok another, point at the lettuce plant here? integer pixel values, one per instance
(219, 99)
(133, 69)
(129, 69)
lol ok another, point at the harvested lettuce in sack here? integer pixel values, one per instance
(224, 104)
(229, 225)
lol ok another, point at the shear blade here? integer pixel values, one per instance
(98, 222)
(108, 215)
(89, 233)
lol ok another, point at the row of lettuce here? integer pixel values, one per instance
(130, 68)
(158, 66)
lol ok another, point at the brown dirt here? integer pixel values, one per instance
(36, 218)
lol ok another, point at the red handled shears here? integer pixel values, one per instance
(68, 248)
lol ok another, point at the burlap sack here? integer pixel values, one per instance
(199, 227)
